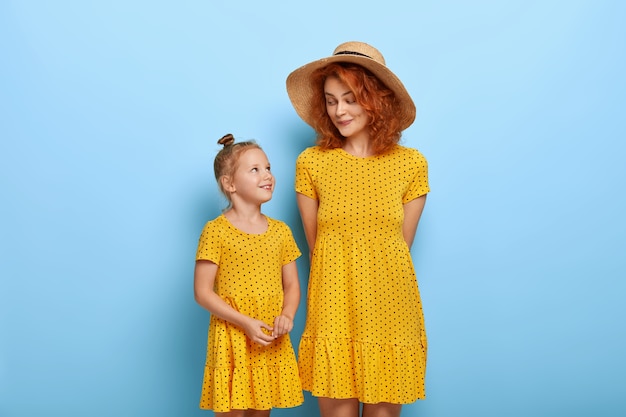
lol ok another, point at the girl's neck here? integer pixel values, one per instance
(248, 220)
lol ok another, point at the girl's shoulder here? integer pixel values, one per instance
(276, 224)
(217, 223)
(281, 229)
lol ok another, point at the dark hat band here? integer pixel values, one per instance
(352, 53)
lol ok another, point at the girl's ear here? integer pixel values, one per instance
(227, 184)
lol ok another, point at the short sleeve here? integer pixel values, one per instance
(209, 244)
(291, 252)
(419, 182)
(304, 180)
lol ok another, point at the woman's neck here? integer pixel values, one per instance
(358, 146)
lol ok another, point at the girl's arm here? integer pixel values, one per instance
(308, 212)
(203, 282)
(291, 288)
(412, 213)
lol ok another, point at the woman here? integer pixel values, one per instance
(360, 196)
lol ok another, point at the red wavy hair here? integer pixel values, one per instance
(378, 101)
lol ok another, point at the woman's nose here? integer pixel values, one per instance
(340, 109)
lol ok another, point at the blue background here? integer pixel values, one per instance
(109, 117)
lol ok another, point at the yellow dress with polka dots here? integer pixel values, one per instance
(364, 335)
(240, 374)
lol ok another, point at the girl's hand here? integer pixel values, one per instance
(282, 325)
(254, 330)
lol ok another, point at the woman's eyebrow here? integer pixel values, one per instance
(343, 94)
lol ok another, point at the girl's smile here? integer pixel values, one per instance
(253, 181)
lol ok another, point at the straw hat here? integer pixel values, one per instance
(300, 87)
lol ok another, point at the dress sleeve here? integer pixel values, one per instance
(304, 180)
(209, 244)
(291, 252)
(419, 181)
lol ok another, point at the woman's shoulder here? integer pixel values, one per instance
(311, 155)
(311, 150)
(408, 152)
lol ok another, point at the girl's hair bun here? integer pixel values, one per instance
(226, 140)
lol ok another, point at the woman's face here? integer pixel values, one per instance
(346, 114)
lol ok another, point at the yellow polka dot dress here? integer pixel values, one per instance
(240, 374)
(364, 335)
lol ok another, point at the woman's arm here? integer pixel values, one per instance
(308, 212)
(412, 213)
(291, 288)
(203, 282)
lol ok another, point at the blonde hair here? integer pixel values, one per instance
(225, 163)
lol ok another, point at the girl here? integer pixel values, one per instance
(360, 196)
(246, 277)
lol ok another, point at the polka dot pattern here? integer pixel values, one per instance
(240, 374)
(364, 336)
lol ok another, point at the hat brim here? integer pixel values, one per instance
(300, 87)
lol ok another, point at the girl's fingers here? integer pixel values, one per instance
(282, 326)
(264, 339)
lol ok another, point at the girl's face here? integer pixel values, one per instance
(346, 114)
(252, 181)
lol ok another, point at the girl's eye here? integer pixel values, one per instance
(254, 169)
(330, 103)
